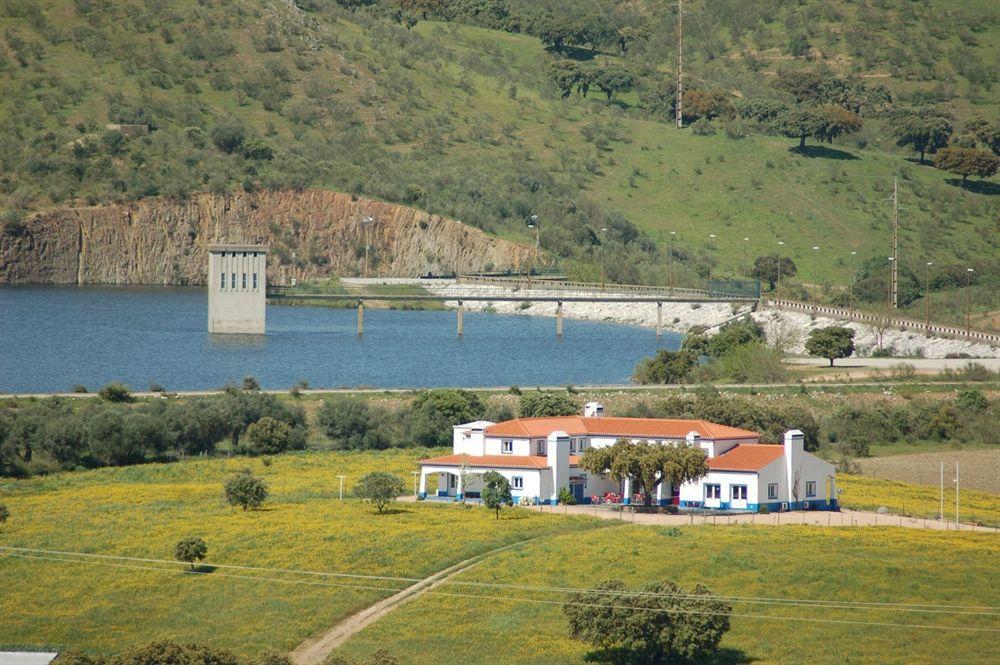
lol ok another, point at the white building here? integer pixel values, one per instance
(237, 288)
(540, 456)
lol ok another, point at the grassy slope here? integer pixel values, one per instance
(143, 511)
(872, 564)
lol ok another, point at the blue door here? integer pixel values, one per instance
(577, 489)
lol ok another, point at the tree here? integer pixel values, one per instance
(763, 111)
(665, 367)
(269, 435)
(228, 136)
(630, 33)
(798, 45)
(435, 412)
(926, 131)
(648, 463)
(799, 123)
(351, 423)
(612, 79)
(546, 403)
(966, 162)
(772, 267)
(659, 623)
(116, 392)
(831, 342)
(380, 488)
(837, 121)
(246, 490)
(160, 653)
(496, 492)
(803, 85)
(706, 104)
(191, 549)
(988, 133)
(566, 74)
(4, 514)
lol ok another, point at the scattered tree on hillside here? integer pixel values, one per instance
(770, 268)
(659, 623)
(612, 79)
(566, 74)
(831, 343)
(926, 131)
(496, 492)
(542, 403)
(966, 162)
(648, 464)
(191, 549)
(706, 104)
(825, 123)
(245, 490)
(763, 111)
(665, 367)
(159, 653)
(836, 122)
(803, 85)
(379, 488)
(423, 7)
(631, 33)
(988, 133)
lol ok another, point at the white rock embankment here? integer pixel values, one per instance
(787, 329)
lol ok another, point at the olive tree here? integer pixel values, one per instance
(648, 463)
(191, 549)
(246, 490)
(496, 492)
(831, 343)
(379, 488)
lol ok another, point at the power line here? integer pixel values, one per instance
(520, 600)
(804, 602)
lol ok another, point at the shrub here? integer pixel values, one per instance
(245, 490)
(379, 488)
(496, 492)
(269, 435)
(435, 412)
(703, 127)
(4, 514)
(351, 423)
(160, 653)
(228, 136)
(116, 392)
(191, 549)
(546, 403)
(762, 510)
(972, 399)
(566, 497)
(80, 388)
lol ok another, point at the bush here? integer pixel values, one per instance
(972, 399)
(541, 403)
(4, 514)
(228, 136)
(269, 435)
(566, 497)
(703, 127)
(351, 423)
(116, 392)
(435, 412)
(379, 488)
(762, 510)
(191, 549)
(246, 490)
(162, 653)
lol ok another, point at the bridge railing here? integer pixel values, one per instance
(591, 287)
(899, 322)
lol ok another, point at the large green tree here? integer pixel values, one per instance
(379, 488)
(245, 490)
(665, 367)
(496, 492)
(926, 130)
(966, 162)
(649, 464)
(773, 267)
(191, 549)
(435, 412)
(657, 624)
(546, 403)
(831, 343)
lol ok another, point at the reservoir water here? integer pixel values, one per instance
(52, 337)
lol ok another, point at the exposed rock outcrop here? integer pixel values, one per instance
(312, 234)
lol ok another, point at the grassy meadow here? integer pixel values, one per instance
(143, 511)
(866, 493)
(883, 565)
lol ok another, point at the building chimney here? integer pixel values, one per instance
(593, 410)
(558, 458)
(693, 439)
(794, 448)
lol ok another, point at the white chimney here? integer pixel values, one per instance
(558, 459)
(593, 410)
(794, 448)
(693, 439)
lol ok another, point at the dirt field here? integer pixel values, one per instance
(978, 469)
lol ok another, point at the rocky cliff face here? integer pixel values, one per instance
(311, 234)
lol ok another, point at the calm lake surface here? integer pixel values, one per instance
(52, 337)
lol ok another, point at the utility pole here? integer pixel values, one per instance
(895, 243)
(941, 509)
(670, 254)
(365, 222)
(680, 62)
(968, 303)
(927, 295)
(781, 244)
(853, 274)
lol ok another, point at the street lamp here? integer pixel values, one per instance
(888, 301)
(746, 248)
(366, 222)
(927, 295)
(853, 276)
(711, 246)
(968, 302)
(533, 224)
(604, 237)
(670, 254)
(815, 274)
(781, 243)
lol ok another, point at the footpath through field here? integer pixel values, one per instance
(316, 650)
(845, 518)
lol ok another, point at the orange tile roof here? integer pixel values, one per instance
(503, 461)
(653, 428)
(746, 457)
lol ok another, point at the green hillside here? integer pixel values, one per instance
(461, 115)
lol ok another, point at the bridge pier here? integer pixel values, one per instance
(659, 319)
(361, 318)
(559, 319)
(461, 310)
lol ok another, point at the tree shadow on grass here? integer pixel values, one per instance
(822, 151)
(515, 515)
(201, 569)
(574, 53)
(392, 511)
(617, 656)
(976, 186)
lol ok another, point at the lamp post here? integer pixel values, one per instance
(815, 272)
(533, 224)
(927, 295)
(888, 301)
(781, 243)
(670, 255)
(604, 237)
(366, 222)
(968, 302)
(850, 302)
(746, 252)
(711, 246)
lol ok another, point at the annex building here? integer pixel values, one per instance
(541, 456)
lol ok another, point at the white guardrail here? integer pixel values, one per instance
(887, 321)
(596, 287)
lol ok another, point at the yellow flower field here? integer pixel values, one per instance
(887, 565)
(143, 511)
(865, 493)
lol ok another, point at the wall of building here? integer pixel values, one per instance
(237, 290)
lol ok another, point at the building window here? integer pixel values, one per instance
(739, 492)
(772, 491)
(451, 480)
(572, 446)
(255, 281)
(713, 491)
(223, 285)
(540, 446)
(583, 444)
(255, 255)
(507, 447)
(244, 280)
(517, 482)
(232, 281)
(810, 488)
